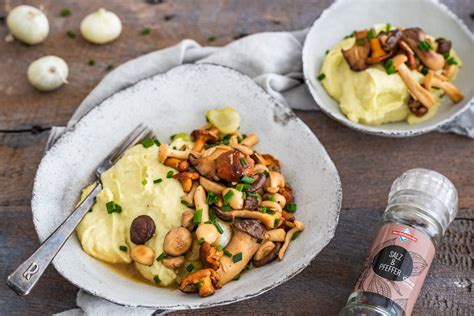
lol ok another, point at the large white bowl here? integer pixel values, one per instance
(434, 18)
(170, 103)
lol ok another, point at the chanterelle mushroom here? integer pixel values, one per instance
(414, 37)
(357, 55)
(202, 136)
(205, 162)
(210, 256)
(242, 247)
(204, 281)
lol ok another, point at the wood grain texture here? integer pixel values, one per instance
(367, 164)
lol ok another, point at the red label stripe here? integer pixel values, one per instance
(403, 234)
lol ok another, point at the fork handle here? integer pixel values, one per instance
(24, 278)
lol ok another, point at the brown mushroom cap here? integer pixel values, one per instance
(357, 55)
(444, 45)
(142, 229)
(413, 37)
(209, 135)
(229, 166)
(252, 227)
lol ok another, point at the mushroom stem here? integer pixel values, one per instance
(200, 203)
(451, 90)
(299, 227)
(211, 186)
(267, 219)
(165, 151)
(241, 243)
(418, 92)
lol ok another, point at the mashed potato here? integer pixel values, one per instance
(370, 96)
(102, 234)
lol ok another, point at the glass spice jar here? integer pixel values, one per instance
(421, 205)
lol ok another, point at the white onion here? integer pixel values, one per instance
(28, 24)
(101, 27)
(48, 73)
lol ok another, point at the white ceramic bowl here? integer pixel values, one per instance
(175, 102)
(434, 18)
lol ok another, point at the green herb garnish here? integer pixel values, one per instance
(360, 42)
(169, 174)
(243, 162)
(424, 70)
(446, 55)
(264, 209)
(242, 187)
(148, 142)
(266, 173)
(184, 202)
(211, 198)
(248, 180)
(271, 197)
(109, 67)
(236, 258)
(227, 253)
(228, 196)
(201, 241)
(65, 12)
(452, 61)
(371, 34)
(226, 208)
(295, 235)
(388, 27)
(236, 278)
(219, 248)
(276, 223)
(211, 38)
(146, 31)
(321, 77)
(291, 207)
(425, 46)
(190, 267)
(161, 256)
(157, 279)
(144, 181)
(71, 34)
(197, 216)
(112, 207)
(91, 62)
(156, 181)
(123, 248)
(389, 68)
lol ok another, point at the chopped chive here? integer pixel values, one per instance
(190, 267)
(350, 35)
(236, 258)
(264, 209)
(71, 34)
(321, 77)
(265, 172)
(446, 55)
(244, 195)
(228, 196)
(291, 207)
(197, 216)
(227, 253)
(360, 42)
(211, 198)
(211, 38)
(146, 31)
(161, 256)
(276, 223)
(109, 67)
(218, 227)
(170, 174)
(248, 180)
(208, 222)
(243, 162)
(239, 139)
(236, 278)
(219, 248)
(242, 187)
(371, 34)
(389, 68)
(185, 202)
(452, 61)
(327, 51)
(226, 208)
(295, 235)
(201, 241)
(244, 136)
(425, 46)
(144, 181)
(65, 12)
(157, 142)
(123, 248)
(112, 207)
(156, 181)
(147, 142)
(270, 211)
(271, 197)
(259, 241)
(91, 62)
(388, 27)
(157, 279)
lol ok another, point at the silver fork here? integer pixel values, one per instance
(24, 278)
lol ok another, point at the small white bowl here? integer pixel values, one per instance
(434, 18)
(171, 103)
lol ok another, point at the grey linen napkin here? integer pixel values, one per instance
(272, 59)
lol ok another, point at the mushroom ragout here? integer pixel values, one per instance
(194, 213)
(386, 74)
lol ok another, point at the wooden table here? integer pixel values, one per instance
(367, 164)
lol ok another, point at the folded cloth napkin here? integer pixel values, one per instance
(272, 59)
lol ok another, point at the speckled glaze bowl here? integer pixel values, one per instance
(434, 18)
(170, 103)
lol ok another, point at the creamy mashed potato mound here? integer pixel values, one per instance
(101, 234)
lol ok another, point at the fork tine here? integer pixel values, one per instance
(139, 133)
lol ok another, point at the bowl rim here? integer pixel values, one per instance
(374, 129)
(275, 104)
